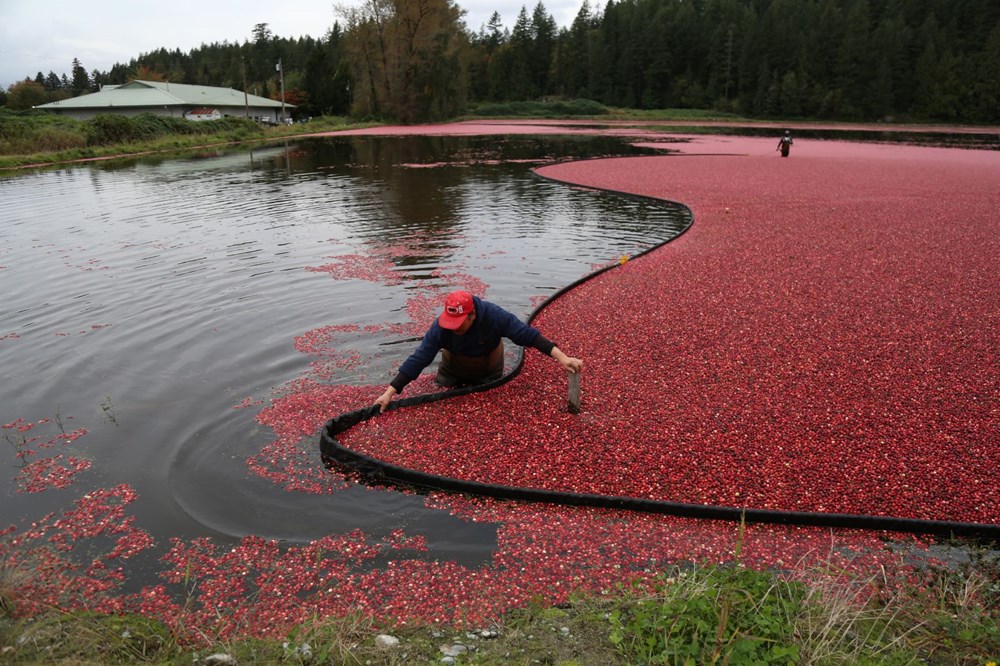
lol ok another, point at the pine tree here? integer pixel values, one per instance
(543, 31)
(81, 81)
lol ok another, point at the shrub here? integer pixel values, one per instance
(107, 128)
(29, 132)
(53, 139)
(229, 125)
(148, 126)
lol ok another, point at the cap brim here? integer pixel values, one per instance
(451, 322)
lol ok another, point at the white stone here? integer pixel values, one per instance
(453, 650)
(385, 641)
(220, 659)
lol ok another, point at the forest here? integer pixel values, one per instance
(417, 60)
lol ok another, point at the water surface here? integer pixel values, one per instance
(156, 302)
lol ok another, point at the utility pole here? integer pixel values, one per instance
(246, 102)
(281, 77)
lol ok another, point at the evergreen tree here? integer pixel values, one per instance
(577, 54)
(494, 35)
(660, 87)
(488, 68)
(879, 98)
(521, 79)
(96, 80)
(850, 59)
(543, 32)
(854, 66)
(790, 104)
(604, 52)
(983, 103)
(262, 55)
(326, 77)
(81, 80)
(723, 21)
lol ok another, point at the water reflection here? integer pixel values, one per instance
(169, 291)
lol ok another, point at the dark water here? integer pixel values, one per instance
(143, 300)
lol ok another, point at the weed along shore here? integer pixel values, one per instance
(821, 339)
(30, 141)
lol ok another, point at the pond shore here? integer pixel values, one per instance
(616, 125)
(825, 338)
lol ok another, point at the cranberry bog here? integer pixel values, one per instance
(775, 348)
(823, 338)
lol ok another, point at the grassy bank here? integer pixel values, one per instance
(39, 138)
(30, 138)
(700, 615)
(34, 138)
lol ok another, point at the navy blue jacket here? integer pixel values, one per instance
(492, 323)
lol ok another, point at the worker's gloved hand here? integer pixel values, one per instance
(384, 399)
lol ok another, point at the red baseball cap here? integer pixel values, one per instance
(457, 307)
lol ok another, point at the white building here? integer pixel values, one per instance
(203, 113)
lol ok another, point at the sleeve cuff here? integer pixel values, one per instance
(399, 382)
(543, 344)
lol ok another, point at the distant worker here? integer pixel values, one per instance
(785, 143)
(468, 333)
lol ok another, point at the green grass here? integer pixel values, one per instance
(39, 138)
(36, 138)
(706, 614)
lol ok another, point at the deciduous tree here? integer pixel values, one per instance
(408, 58)
(25, 94)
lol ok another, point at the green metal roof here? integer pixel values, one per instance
(159, 93)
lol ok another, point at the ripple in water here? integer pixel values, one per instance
(145, 300)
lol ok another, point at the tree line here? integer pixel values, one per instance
(416, 60)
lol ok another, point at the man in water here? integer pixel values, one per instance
(468, 333)
(785, 144)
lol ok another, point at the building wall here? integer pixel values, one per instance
(256, 113)
(205, 114)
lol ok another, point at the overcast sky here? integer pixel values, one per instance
(45, 35)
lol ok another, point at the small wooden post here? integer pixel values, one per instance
(574, 392)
